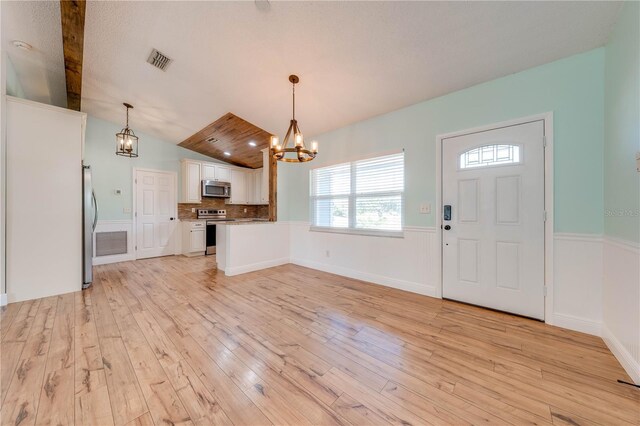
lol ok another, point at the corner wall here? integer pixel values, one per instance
(621, 265)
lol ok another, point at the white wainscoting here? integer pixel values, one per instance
(577, 282)
(246, 248)
(114, 226)
(402, 263)
(621, 303)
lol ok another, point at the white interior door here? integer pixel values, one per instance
(493, 244)
(155, 213)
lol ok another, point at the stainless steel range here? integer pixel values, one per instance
(212, 216)
(218, 215)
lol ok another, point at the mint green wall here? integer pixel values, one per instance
(14, 88)
(111, 172)
(622, 127)
(573, 88)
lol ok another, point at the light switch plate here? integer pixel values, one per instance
(425, 208)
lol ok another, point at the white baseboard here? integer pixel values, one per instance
(620, 352)
(574, 323)
(413, 287)
(104, 260)
(3, 299)
(231, 271)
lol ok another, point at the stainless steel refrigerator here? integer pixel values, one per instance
(89, 220)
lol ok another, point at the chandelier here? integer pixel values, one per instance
(126, 140)
(302, 154)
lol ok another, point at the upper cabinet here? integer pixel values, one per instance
(191, 178)
(211, 171)
(239, 187)
(248, 186)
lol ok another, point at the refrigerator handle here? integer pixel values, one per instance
(95, 211)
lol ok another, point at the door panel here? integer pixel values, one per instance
(493, 253)
(155, 218)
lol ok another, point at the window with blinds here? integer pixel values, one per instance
(362, 196)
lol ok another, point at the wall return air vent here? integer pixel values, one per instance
(159, 60)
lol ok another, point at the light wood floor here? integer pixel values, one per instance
(172, 341)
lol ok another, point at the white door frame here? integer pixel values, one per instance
(548, 200)
(134, 195)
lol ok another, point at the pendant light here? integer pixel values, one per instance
(126, 140)
(302, 154)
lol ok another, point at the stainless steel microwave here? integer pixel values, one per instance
(214, 188)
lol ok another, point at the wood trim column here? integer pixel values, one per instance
(72, 14)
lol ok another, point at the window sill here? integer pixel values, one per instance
(363, 232)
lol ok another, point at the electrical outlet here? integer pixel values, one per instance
(328, 253)
(425, 208)
(245, 209)
(127, 210)
(193, 210)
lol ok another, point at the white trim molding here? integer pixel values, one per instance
(403, 263)
(3, 299)
(575, 323)
(237, 270)
(631, 365)
(577, 276)
(621, 302)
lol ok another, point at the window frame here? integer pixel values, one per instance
(352, 198)
(492, 165)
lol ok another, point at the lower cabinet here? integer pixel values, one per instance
(194, 238)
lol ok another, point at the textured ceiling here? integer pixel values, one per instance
(40, 71)
(355, 59)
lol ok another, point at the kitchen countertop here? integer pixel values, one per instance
(241, 221)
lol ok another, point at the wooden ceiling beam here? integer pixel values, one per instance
(72, 13)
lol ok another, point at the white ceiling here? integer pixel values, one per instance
(40, 71)
(355, 59)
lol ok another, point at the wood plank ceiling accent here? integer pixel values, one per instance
(232, 134)
(72, 14)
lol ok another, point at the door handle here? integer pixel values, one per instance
(447, 227)
(171, 218)
(95, 212)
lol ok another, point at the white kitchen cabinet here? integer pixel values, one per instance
(256, 196)
(239, 194)
(257, 189)
(208, 171)
(194, 238)
(223, 173)
(211, 171)
(191, 178)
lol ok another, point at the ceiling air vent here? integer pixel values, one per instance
(159, 60)
(212, 140)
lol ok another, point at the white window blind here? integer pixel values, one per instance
(360, 196)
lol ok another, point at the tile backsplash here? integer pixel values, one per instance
(233, 210)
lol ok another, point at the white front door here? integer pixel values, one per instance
(493, 242)
(155, 213)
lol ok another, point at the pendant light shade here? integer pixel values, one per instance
(302, 154)
(126, 139)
